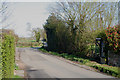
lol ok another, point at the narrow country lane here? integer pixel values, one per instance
(40, 65)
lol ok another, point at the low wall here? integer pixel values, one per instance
(114, 59)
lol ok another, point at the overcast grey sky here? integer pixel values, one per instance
(34, 13)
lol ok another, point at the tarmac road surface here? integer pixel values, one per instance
(40, 65)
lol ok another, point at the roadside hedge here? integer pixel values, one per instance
(8, 56)
(0, 60)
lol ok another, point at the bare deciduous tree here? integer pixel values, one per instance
(4, 14)
(84, 21)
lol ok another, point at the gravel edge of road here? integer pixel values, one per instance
(21, 65)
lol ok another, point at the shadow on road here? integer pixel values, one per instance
(34, 73)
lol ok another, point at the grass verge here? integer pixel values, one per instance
(16, 76)
(16, 67)
(113, 71)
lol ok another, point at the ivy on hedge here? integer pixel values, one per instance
(8, 54)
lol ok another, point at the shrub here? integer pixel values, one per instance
(113, 37)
